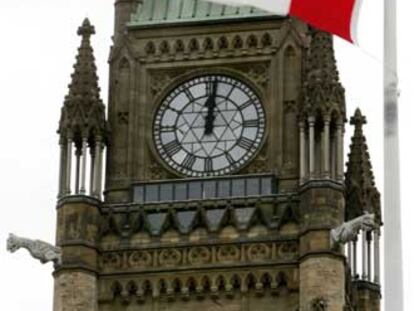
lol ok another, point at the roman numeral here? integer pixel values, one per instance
(211, 87)
(172, 147)
(245, 143)
(166, 129)
(230, 159)
(251, 123)
(231, 91)
(208, 165)
(189, 94)
(189, 161)
(245, 105)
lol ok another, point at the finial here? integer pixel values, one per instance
(358, 119)
(86, 30)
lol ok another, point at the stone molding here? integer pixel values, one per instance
(200, 256)
(199, 285)
(78, 199)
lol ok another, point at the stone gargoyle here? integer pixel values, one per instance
(40, 250)
(349, 230)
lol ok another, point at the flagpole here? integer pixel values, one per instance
(392, 215)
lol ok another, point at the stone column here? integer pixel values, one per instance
(350, 257)
(326, 146)
(83, 165)
(377, 254)
(78, 154)
(92, 172)
(333, 156)
(355, 258)
(340, 151)
(62, 167)
(302, 151)
(364, 255)
(68, 174)
(369, 256)
(98, 168)
(311, 121)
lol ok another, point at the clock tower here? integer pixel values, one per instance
(224, 168)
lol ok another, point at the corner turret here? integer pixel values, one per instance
(123, 11)
(82, 124)
(362, 197)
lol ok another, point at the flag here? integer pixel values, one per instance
(339, 17)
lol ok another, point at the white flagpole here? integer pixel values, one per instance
(392, 214)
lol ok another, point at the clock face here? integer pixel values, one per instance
(208, 126)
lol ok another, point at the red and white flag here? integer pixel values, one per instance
(339, 17)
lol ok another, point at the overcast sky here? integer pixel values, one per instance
(37, 53)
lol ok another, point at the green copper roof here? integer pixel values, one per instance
(153, 12)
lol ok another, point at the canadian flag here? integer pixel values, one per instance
(339, 17)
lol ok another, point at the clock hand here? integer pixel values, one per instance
(211, 105)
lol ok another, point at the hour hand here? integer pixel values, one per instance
(210, 105)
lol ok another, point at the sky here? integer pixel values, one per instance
(38, 49)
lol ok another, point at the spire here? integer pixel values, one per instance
(361, 192)
(83, 113)
(322, 89)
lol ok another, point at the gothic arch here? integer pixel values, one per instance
(266, 40)
(150, 48)
(179, 46)
(164, 47)
(208, 44)
(252, 41)
(222, 43)
(193, 46)
(237, 42)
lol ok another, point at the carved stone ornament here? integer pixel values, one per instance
(348, 231)
(186, 257)
(258, 72)
(318, 304)
(40, 250)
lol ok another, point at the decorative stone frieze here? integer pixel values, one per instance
(209, 46)
(199, 256)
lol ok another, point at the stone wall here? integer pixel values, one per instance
(75, 291)
(239, 302)
(322, 278)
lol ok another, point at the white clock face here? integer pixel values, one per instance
(208, 126)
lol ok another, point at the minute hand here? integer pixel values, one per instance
(211, 105)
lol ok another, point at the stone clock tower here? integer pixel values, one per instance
(223, 148)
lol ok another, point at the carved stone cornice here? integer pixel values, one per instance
(199, 285)
(78, 199)
(210, 46)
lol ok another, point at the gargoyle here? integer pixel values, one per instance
(348, 231)
(40, 250)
